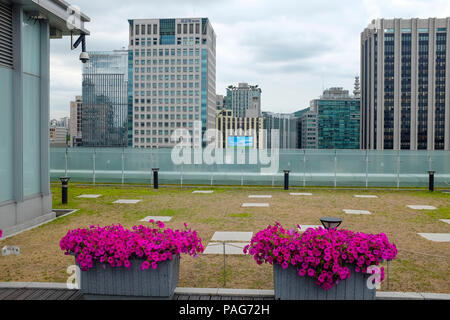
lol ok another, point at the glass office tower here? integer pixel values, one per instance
(172, 66)
(105, 99)
(337, 121)
(404, 98)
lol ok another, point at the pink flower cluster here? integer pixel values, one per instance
(1, 233)
(324, 255)
(115, 245)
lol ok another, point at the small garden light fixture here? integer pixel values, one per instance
(64, 189)
(330, 222)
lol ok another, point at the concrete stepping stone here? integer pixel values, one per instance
(157, 218)
(257, 196)
(351, 211)
(127, 201)
(445, 220)
(307, 226)
(203, 191)
(89, 196)
(436, 237)
(420, 207)
(236, 248)
(301, 194)
(232, 236)
(254, 204)
(365, 196)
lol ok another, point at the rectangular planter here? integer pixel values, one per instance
(288, 285)
(133, 283)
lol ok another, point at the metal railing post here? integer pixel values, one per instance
(93, 167)
(304, 168)
(123, 166)
(224, 266)
(181, 178)
(367, 169)
(65, 159)
(398, 169)
(335, 168)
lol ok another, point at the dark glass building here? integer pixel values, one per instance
(105, 100)
(404, 99)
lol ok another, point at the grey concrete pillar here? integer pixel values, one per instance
(17, 12)
(45, 107)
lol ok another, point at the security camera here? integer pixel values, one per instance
(84, 57)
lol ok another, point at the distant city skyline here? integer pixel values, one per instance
(318, 48)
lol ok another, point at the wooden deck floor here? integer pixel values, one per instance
(66, 294)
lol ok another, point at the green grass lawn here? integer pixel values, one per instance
(421, 265)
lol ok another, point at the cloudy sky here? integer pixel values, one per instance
(291, 48)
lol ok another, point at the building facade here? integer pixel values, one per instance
(405, 98)
(286, 124)
(26, 28)
(238, 132)
(58, 136)
(308, 129)
(300, 115)
(75, 122)
(337, 120)
(104, 114)
(244, 100)
(172, 67)
(220, 101)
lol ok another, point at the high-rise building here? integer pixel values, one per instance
(220, 101)
(105, 99)
(244, 100)
(172, 66)
(286, 124)
(331, 122)
(238, 132)
(58, 136)
(75, 122)
(299, 115)
(405, 96)
(307, 128)
(337, 119)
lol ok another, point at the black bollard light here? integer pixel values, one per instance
(64, 188)
(286, 179)
(431, 180)
(155, 178)
(330, 222)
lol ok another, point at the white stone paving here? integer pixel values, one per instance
(236, 248)
(260, 196)
(157, 218)
(365, 196)
(351, 211)
(232, 236)
(445, 220)
(203, 191)
(306, 226)
(255, 204)
(127, 201)
(300, 194)
(420, 207)
(90, 196)
(436, 237)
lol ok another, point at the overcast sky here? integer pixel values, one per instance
(292, 49)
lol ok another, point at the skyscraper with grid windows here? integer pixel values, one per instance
(405, 98)
(172, 69)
